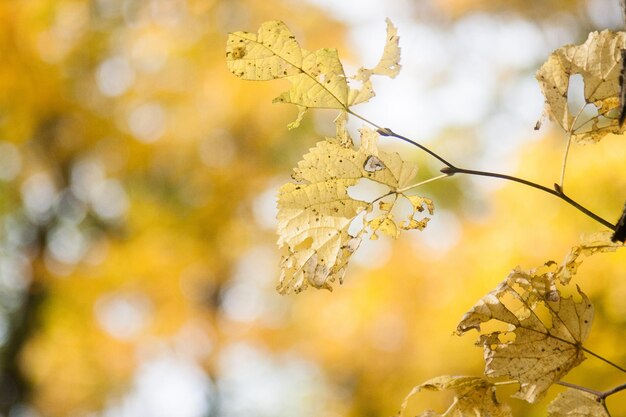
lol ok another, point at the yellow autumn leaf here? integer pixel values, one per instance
(474, 397)
(315, 212)
(384, 224)
(575, 403)
(598, 61)
(591, 244)
(321, 82)
(385, 206)
(546, 328)
(270, 54)
(414, 224)
(388, 65)
(419, 204)
(317, 78)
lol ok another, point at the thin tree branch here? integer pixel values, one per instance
(613, 364)
(364, 119)
(388, 132)
(451, 169)
(557, 192)
(410, 187)
(598, 394)
(613, 391)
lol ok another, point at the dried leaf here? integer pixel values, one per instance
(320, 84)
(270, 54)
(419, 204)
(474, 397)
(548, 330)
(575, 403)
(317, 78)
(591, 244)
(598, 60)
(384, 224)
(388, 65)
(314, 213)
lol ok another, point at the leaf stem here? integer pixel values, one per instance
(557, 192)
(564, 166)
(598, 394)
(381, 197)
(613, 364)
(363, 118)
(402, 190)
(451, 408)
(388, 132)
(501, 383)
(567, 147)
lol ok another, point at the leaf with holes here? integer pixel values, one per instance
(547, 329)
(473, 397)
(316, 211)
(388, 65)
(600, 242)
(317, 78)
(598, 61)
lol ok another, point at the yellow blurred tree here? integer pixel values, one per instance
(131, 163)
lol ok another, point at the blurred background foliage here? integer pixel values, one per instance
(137, 203)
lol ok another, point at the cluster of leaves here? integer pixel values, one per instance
(317, 78)
(315, 212)
(542, 340)
(543, 322)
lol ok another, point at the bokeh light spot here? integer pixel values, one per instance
(115, 76)
(123, 315)
(147, 122)
(10, 161)
(66, 243)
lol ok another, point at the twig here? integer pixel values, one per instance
(450, 170)
(598, 394)
(388, 132)
(613, 391)
(613, 364)
(401, 190)
(557, 192)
